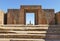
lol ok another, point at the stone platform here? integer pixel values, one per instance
(29, 32)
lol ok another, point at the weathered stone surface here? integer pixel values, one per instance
(57, 17)
(13, 16)
(51, 32)
(1, 17)
(39, 15)
(50, 16)
(42, 16)
(16, 28)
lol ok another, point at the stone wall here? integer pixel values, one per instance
(42, 16)
(50, 16)
(20, 18)
(1, 17)
(13, 16)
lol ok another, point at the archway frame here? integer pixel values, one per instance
(30, 9)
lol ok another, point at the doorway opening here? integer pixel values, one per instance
(30, 18)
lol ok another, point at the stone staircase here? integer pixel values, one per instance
(29, 33)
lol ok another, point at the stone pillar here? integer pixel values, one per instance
(41, 17)
(58, 18)
(22, 17)
(1, 17)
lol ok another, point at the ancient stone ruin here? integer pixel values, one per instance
(13, 24)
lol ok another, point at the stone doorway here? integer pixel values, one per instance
(30, 9)
(30, 19)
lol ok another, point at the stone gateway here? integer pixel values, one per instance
(42, 16)
(13, 24)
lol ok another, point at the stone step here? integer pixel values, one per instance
(49, 31)
(31, 32)
(17, 39)
(26, 34)
(23, 36)
(23, 28)
(29, 36)
(37, 32)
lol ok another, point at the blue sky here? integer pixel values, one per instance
(46, 4)
(5, 4)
